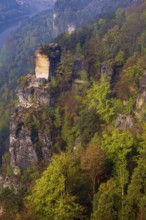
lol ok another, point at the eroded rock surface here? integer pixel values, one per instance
(29, 143)
(141, 99)
(47, 60)
(31, 122)
(124, 122)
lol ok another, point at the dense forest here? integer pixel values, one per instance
(98, 168)
(17, 55)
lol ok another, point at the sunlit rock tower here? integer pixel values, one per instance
(47, 60)
(30, 140)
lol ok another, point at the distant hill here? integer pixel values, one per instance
(15, 10)
(10, 12)
(76, 13)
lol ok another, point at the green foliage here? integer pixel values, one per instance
(23, 81)
(92, 163)
(137, 192)
(67, 132)
(6, 166)
(110, 42)
(129, 106)
(84, 116)
(117, 106)
(106, 202)
(57, 117)
(87, 125)
(120, 57)
(98, 97)
(9, 170)
(35, 119)
(118, 146)
(10, 203)
(31, 121)
(52, 194)
(54, 82)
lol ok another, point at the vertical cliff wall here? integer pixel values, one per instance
(30, 142)
(31, 121)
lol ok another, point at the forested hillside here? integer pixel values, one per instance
(17, 55)
(66, 16)
(99, 130)
(77, 13)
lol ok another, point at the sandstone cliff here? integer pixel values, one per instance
(47, 59)
(31, 121)
(29, 140)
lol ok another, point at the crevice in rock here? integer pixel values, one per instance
(34, 136)
(19, 128)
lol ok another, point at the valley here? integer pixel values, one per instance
(14, 19)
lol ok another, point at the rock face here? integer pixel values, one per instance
(47, 60)
(124, 122)
(28, 143)
(31, 94)
(111, 71)
(107, 70)
(42, 66)
(25, 148)
(30, 135)
(141, 99)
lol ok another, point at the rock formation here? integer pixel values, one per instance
(42, 66)
(28, 143)
(111, 70)
(47, 59)
(124, 122)
(141, 99)
(30, 137)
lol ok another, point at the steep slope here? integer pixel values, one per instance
(16, 57)
(91, 57)
(98, 120)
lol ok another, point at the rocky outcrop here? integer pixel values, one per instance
(47, 60)
(124, 122)
(107, 69)
(27, 146)
(42, 66)
(111, 70)
(141, 98)
(30, 124)
(33, 94)
(29, 143)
